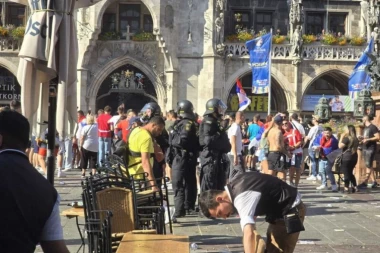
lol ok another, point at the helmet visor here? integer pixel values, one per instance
(221, 107)
(146, 109)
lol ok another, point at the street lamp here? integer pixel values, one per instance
(364, 104)
(323, 109)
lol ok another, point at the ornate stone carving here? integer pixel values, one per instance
(310, 52)
(221, 5)
(297, 42)
(219, 27)
(296, 15)
(373, 70)
(369, 17)
(375, 36)
(106, 51)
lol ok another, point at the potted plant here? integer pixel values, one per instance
(278, 39)
(143, 36)
(329, 39)
(109, 36)
(232, 38)
(244, 36)
(3, 31)
(342, 41)
(238, 17)
(309, 38)
(357, 41)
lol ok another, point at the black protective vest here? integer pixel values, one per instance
(27, 200)
(277, 197)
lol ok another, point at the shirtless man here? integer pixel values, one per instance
(277, 151)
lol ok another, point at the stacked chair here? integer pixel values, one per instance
(118, 203)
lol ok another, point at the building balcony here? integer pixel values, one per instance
(9, 44)
(315, 51)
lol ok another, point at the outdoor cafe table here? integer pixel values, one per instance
(75, 212)
(148, 243)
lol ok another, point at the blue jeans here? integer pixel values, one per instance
(104, 148)
(313, 162)
(68, 154)
(325, 169)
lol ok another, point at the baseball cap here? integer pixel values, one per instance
(133, 120)
(278, 119)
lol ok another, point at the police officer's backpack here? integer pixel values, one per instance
(174, 142)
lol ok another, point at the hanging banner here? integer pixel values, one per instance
(359, 78)
(259, 53)
(337, 103)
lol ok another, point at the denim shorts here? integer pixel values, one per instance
(369, 157)
(297, 161)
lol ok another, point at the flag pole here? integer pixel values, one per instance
(270, 75)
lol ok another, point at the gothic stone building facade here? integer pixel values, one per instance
(187, 51)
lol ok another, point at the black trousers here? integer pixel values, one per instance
(158, 172)
(348, 165)
(184, 182)
(213, 174)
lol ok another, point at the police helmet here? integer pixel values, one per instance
(185, 109)
(215, 105)
(154, 109)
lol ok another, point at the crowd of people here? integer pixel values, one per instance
(222, 160)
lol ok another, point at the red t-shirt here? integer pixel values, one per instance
(123, 125)
(104, 129)
(261, 124)
(292, 137)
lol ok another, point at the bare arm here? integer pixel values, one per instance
(281, 144)
(145, 162)
(81, 140)
(233, 145)
(249, 238)
(54, 246)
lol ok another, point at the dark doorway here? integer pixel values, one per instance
(139, 91)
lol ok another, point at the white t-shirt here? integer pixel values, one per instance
(90, 133)
(313, 133)
(299, 127)
(246, 203)
(235, 130)
(80, 126)
(114, 120)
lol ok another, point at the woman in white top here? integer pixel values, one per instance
(89, 145)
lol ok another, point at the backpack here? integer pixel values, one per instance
(174, 142)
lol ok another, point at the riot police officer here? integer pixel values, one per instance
(150, 110)
(184, 148)
(214, 143)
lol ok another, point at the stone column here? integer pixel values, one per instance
(171, 81)
(297, 98)
(82, 90)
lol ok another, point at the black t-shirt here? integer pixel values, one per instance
(369, 132)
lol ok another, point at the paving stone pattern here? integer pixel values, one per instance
(335, 222)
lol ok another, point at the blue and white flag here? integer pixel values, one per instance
(244, 101)
(259, 53)
(359, 79)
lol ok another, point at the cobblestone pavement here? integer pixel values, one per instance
(335, 222)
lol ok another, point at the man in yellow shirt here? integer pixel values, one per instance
(141, 148)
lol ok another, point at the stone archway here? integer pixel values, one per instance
(338, 74)
(281, 95)
(98, 79)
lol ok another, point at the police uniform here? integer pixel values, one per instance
(214, 142)
(185, 147)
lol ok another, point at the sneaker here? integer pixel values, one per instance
(363, 185)
(61, 174)
(311, 178)
(374, 185)
(334, 188)
(322, 187)
(67, 169)
(319, 178)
